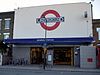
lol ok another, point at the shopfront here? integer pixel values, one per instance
(64, 54)
(61, 55)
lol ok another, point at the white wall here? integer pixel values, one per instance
(75, 24)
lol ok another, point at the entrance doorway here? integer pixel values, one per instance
(36, 55)
(63, 56)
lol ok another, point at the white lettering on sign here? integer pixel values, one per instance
(50, 20)
(44, 40)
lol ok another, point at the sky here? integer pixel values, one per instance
(10, 5)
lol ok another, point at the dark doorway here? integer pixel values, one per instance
(63, 56)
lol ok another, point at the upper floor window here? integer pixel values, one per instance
(6, 35)
(98, 30)
(0, 34)
(7, 23)
(0, 23)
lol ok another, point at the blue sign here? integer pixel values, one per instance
(50, 20)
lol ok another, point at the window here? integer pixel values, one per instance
(0, 36)
(7, 23)
(98, 30)
(0, 23)
(6, 35)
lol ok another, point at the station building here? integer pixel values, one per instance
(65, 30)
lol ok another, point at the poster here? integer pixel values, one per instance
(49, 57)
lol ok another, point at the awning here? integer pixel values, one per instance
(56, 41)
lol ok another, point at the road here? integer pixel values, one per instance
(4, 71)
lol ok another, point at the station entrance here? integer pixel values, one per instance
(36, 55)
(63, 56)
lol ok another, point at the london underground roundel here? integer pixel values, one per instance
(56, 20)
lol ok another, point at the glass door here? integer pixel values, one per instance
(36, 55)
(63, 56)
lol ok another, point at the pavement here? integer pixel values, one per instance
(53, 68)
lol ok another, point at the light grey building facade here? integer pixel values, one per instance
(54, 34)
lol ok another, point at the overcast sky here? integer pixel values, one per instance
(10, 5)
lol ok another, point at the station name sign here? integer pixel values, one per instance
(50, 20)
(56, 20)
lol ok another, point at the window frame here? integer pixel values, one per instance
(0, 24)
(6, 35)
(6, 26)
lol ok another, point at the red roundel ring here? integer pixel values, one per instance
(50, 27)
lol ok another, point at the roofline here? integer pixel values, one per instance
(7, 12)
(96, 20)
